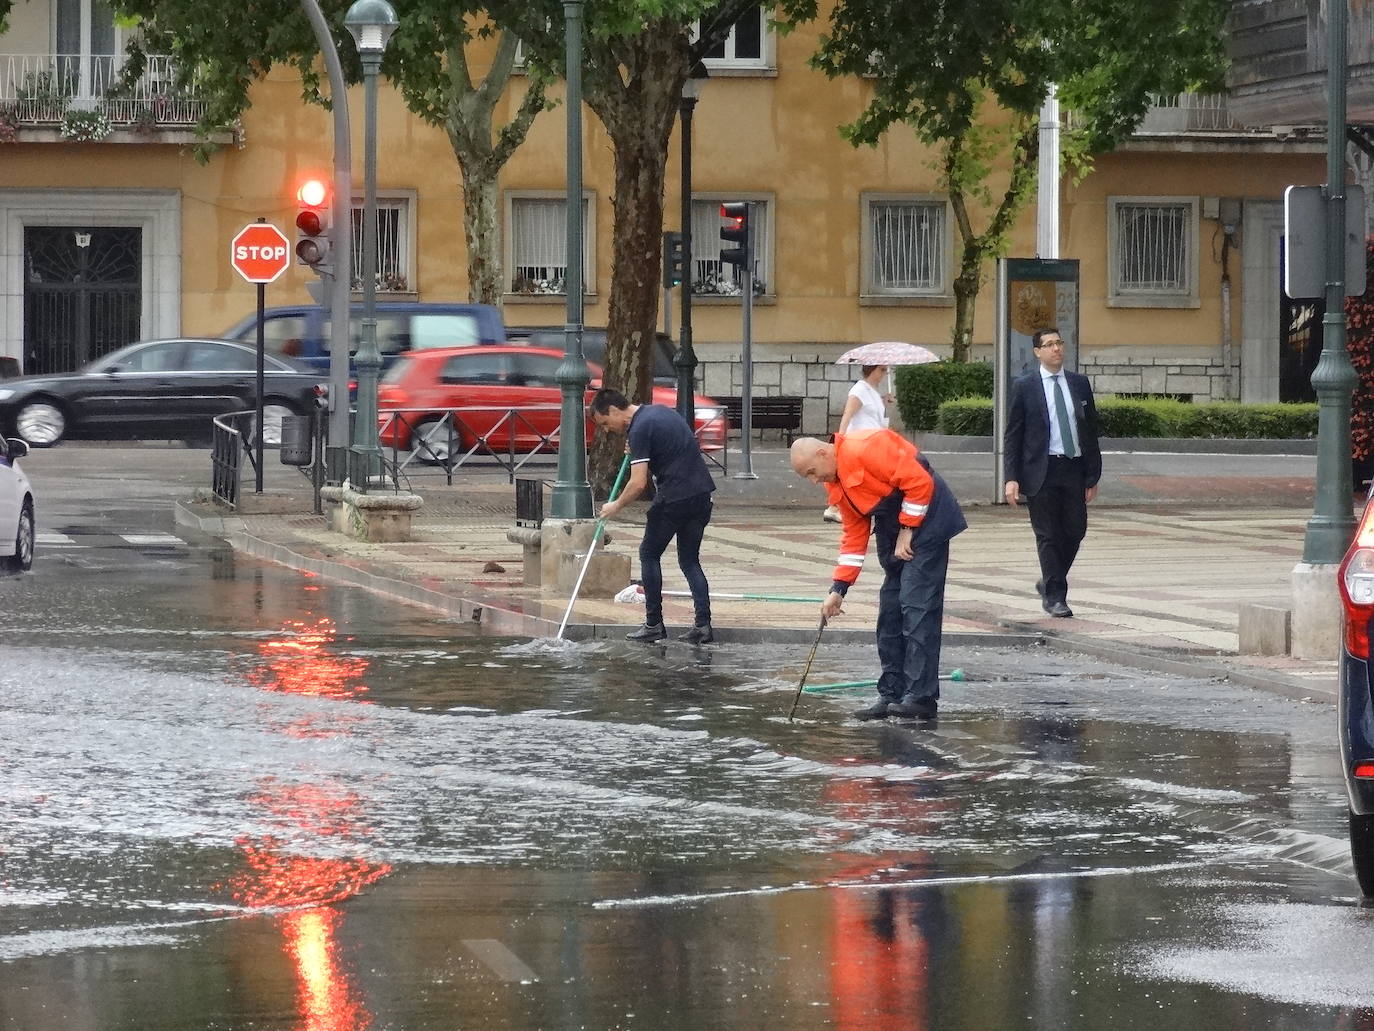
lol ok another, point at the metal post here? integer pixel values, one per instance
(340, 285)
(572, 494)
(1047, 202)
(259, 362)
(685, 361)
(1333, 521)
(369, 359)
(747, 395)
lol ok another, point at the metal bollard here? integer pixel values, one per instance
(296, 441)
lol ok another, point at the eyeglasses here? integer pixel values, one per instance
(1049, 343)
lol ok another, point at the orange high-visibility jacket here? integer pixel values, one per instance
(870, 465)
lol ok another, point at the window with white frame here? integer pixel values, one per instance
(394, 236)
(906, 246)
(537, 244)
(749, 43)
(1153, 255)
(713, 277)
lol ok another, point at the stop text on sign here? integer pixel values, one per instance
(260, 252)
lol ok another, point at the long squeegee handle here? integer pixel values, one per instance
(596, 536)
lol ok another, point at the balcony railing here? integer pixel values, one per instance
(39, 89)
(1188, 112)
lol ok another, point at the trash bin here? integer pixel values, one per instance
(296, 440)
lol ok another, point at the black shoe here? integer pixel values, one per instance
(648, 633)
(1059, 608)
(876, 711)
(1040, 589)
(914, 708)
(698, 635)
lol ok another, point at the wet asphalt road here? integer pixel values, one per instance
(237, 797)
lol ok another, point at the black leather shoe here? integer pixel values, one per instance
(912, 707)
(698, 635)
(876, 711)
(1059, 608)
(647, 633)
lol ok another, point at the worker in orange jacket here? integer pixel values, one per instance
(882, 484)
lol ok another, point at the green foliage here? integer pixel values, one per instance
(921, 389)
(965, 417)
(1359, 343)
(1120, 417)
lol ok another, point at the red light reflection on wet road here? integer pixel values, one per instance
(301, 661)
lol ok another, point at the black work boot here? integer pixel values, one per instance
(876, 711)
(648, 633)
(698, 635)
(912, 707)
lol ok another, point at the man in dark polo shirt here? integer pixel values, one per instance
(662, 444)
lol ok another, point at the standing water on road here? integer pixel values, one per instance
(238, 797)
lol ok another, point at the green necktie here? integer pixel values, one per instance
(1061, 412)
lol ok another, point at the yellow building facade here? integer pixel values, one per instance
(1177, 235)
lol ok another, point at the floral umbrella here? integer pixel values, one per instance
(888, 352)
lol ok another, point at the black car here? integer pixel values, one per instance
(661, 368)
(156, 389)
(1355, 689)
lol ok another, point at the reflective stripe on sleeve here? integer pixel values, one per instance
(913, 510)
(852, 560)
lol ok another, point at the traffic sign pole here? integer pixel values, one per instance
(260, 253)
(262, 350)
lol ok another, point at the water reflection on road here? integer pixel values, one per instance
(276, 804)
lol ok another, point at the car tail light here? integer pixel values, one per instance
(1363, 770)
(1356, 579)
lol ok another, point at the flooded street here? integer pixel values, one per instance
(237, 797)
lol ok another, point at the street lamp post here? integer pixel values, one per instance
(572, 494)
(685, 361)
(371, 23)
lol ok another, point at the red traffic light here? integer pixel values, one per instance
(313, 193)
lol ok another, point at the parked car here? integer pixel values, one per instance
(495, 379)
(156, 389)
(594, 347)
(302, 331)
(16, 510)
(1355, 694)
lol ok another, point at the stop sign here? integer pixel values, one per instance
(260, 252)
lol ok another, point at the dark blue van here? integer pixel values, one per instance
(302, 331)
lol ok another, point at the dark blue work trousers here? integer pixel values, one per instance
(911, 614)
(686, 520)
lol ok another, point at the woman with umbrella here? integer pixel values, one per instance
(864, 409)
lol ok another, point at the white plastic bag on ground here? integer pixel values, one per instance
(632, 595)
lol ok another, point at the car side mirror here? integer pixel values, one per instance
(16, 448)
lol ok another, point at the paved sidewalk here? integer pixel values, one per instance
(1157, 584)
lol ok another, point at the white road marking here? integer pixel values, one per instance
(151, 538)
(503, 963)
(49, 539)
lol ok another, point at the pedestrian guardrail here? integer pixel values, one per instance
(233, 446)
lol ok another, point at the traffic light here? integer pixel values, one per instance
(672, 260)
(736, 231)
(312, 225)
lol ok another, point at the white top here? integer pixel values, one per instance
(1048, 382)
(872, 413)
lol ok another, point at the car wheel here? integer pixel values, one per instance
(429, 442)
(40, 423)
(1362, 851)
(273, 412)
(22, 559)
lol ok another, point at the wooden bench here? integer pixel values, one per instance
(771, 412)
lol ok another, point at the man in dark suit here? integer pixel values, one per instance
(1051, 455)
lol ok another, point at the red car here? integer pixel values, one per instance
(511, 395)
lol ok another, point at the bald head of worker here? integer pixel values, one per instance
(814, 460)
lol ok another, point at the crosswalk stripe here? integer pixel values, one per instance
(500, 960)
(48, 539)
(151, 538)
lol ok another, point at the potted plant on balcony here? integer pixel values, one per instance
(9, 125)
(85, 126)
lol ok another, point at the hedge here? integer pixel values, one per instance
(1133, 417)
(921, 389)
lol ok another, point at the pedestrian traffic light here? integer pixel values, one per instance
(672, 260)
(736, 231)
(312, 224)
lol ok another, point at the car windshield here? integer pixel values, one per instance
(396, 371)
(594, 347)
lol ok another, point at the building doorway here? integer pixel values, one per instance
(83, 294)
